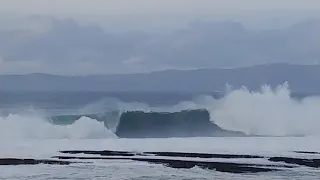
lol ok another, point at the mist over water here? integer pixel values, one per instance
(269, 112)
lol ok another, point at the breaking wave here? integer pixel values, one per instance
(267, 112)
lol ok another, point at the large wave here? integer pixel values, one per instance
(267, 112)
(186, 123)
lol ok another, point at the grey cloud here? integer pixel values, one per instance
(67, 43)
(70, 48)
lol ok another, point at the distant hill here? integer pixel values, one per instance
(301, 79)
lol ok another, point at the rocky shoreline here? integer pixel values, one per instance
(17, 161)
(165, 158)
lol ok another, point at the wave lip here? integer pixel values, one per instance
(186, 123)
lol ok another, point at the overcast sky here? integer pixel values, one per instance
(152, 6)
(166, 34)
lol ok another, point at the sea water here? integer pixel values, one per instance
(286, 124)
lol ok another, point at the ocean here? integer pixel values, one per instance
(242, 134)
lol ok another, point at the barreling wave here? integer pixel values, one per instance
(186, 123)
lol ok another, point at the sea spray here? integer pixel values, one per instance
(271, 112)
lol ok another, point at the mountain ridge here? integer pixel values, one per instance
(301, 78)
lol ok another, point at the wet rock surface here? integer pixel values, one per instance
(168, 159)
(16, 161)
(201, 155)
(187, 164)
(169, 154)
(162, 158)
(315, 163)
(102, 153)
(306, 152)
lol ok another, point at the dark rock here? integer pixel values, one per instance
(218, 166)
(306, 152)
(15, 161)
(91, 158)
(169, 154)
(305, 162)
(102, 153)
(201, 155)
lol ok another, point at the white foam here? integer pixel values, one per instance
(33, 126)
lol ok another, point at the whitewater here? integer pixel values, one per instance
(284, 124)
